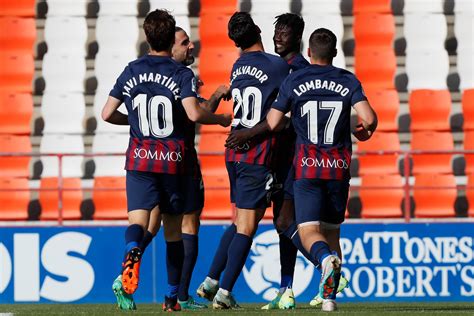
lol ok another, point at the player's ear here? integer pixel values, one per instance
(309, 52)
(258, 29)
(334, 53)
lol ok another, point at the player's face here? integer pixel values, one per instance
(183, 48)
(284, 40)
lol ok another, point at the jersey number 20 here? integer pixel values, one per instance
(252, 109)
(311, 108)
(159, 108)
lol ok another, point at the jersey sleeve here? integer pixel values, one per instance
(116, 91)
(188, 84)
(358, 94)
(283, 101)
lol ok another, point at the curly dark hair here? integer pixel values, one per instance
(291, 20)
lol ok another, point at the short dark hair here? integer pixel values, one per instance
(322, 44)
(242, 30)
(291, 20)
(159, 27)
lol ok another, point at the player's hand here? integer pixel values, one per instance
(200, 83)
(226, 120)
(223, 92)
(361, 133)
(237, 138)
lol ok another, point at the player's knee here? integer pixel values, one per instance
(191, 223)
(282, 224)
(248, 230)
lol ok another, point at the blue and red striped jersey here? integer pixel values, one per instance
(254, 83)
(285, 146)
(152, 88)
(320, 100)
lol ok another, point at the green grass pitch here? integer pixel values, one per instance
(366, 309)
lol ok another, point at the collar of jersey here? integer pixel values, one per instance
(322, 69)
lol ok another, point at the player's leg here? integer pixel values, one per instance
(190, 229)
(252, 196)
(246, 222)
(154, 225)
(331, 231)
(174, 258)
(208, 288)
(142, 197)
(194, 204)
(124, 300)
(311, 196)
(172, 205)
(283, 216)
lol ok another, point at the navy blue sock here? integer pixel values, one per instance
(172, 291)
(147, 238)
(288, 254)
(220, 258)
(190, 256)
(238, 251)
(174, 265)
(133, 237)
(319, 251)
(292, 233)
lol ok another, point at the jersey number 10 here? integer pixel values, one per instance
(311, 108)
(159, 108)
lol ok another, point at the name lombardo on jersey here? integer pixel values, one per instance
(157, 155)
(321, 84)
(324, 163)
(163, 80)
(412, 266)
(249, 70)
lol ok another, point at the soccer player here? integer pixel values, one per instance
(287, 43)
(255, 79)
(182, 52)
(160, 96)
(320, 98)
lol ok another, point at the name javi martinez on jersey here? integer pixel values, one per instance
(165, 81)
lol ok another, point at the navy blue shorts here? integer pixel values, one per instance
(320, 201)
(250, 185)
(193, 194)
(145, 190)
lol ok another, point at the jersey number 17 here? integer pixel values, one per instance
(311, 108)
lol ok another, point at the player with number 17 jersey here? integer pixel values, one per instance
(151, 88)
(320, 100)
(255, 80)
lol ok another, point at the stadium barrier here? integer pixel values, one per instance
(405, 155)
(385, 262)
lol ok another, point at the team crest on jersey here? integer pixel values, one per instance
(262, 269)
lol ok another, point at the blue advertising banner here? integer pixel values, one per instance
(384, 262)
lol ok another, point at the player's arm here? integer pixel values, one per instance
(200, 115)
(275, 120)
(111, 114)
(368, 120)
(239, 137)
(222, 92)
